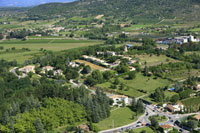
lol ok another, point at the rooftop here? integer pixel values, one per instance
(166, 126)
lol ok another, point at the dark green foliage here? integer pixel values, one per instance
(137, 106)
(136, 9)
(154, 123)
(86, 70)
(132, 75)
(159, 95)
(95, 78)
(1, 36)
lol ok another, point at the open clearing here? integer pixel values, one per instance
(119, 117)
(148, 84)
(154, 60)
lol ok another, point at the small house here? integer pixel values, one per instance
(119, 99)
(27, 69)
(166, 128)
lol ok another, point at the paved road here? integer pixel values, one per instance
(150, 111)
(14, 72)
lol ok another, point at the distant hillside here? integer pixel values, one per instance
(25, 3)
(185, 9)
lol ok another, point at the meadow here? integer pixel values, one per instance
(35, 47)
(137, 86)
(153, 60)
(117, 118)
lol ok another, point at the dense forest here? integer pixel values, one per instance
(119, 8)
(30, 105)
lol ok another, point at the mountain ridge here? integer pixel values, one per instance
(120, 8)
(27, 3)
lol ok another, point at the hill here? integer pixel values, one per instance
(183, 9)
(25, 3)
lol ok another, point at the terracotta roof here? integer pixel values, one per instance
(166, 126)
(197, 117)
(170, 107)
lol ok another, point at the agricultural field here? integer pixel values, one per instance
(154, 60)
(192, 103)
(35, 47)
(183, 74)
(93, 66)
(118, 117)
(135, 87)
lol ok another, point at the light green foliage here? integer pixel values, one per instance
(54, 113)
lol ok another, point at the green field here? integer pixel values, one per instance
(36, 45)
(148, 84)
(183, 74)
(119, 117)
(147, 129)
(195, 30)
(154, 60)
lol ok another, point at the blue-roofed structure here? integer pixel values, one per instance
(129, 45)
(171, 89)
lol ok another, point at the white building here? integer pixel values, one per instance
(119, 99)
(111, 53)
(27, 69)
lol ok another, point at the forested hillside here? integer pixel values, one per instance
(187, 9)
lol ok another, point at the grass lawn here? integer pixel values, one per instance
(119, 117)
(154, 60)
(36, 45)
(148, 84)
(147, 129)
(195, 30)
(160, 118)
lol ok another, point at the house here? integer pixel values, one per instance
(175, 108)
(111, 53)
(166, 128)
(57, 72)
(47, 68)
(119, 99)
(197, 117)
(73, 64)
(129, 45)
(27, 69)
(84, 127)
(132, 68)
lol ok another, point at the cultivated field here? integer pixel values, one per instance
(192, 104)
(93, 66)
(35, 47)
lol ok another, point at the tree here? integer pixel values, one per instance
(39, 126)
(1, 36)
(159, 95)
(174, 98)
(192, 124)
(116, 82)
(87, 69)
(132, 75)
(154, 122)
